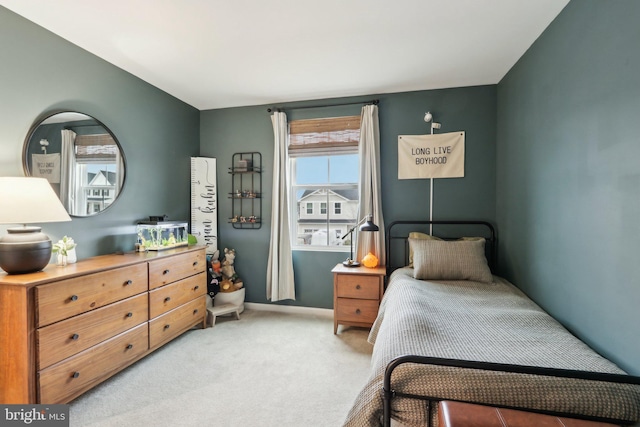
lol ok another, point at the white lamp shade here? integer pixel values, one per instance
(27, 200)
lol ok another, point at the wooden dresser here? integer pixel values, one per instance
(66, 329)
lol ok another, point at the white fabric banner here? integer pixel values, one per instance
(46, 166)
(431, 156)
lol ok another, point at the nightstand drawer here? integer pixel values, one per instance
(356, 310)
(358, 286)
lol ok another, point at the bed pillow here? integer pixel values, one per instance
(450, 260)
(418, 235)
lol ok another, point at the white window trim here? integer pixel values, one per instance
(293, 187)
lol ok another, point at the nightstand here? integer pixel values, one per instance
(357, 292)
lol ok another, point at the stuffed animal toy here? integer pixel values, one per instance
(228, 271)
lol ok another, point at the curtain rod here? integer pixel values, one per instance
(372, 102)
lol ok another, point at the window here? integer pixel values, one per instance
(324, 172)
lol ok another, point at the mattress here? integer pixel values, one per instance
(488, 322)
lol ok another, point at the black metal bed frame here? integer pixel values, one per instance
(389, 393)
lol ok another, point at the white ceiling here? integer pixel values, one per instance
(227, 53)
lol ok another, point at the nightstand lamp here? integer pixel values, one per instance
(27, 200)
(367, 226)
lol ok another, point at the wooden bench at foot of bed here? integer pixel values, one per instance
(459, 414)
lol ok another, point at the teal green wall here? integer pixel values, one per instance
(568, 180)
(472, 109)
(41, 72)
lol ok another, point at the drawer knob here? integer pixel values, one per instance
(166, 271)
(167, 299)
(74, 297)
(128, 282)
(195, 263)
(129, 314)
(195, 311)
(76, 374)
(357, 286)
(75, 337)
(357, 311)
(196, 288)
(167, 326)
(130, 346)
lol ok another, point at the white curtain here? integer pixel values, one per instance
(370, 197)
(280, 281)
(68, 172)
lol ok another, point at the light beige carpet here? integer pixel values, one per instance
(266, 369)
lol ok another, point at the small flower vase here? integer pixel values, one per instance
(71, 256)
(62, 260)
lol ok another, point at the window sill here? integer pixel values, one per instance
(321, 249)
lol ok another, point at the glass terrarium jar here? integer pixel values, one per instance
(161, 235)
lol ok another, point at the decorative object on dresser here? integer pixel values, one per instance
(27, 200)
(65, 330)
(357, 292)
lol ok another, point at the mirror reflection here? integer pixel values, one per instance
(81, 159)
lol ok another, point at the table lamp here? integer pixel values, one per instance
(27, 200)
(367, 226)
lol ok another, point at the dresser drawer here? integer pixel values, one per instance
(66, 298)
(60, 382)
(169, 269)
(358, 286)
(68, 337)
(176, 321)
(170, 296)
(356, 310)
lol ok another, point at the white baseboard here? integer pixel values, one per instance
(294, 309)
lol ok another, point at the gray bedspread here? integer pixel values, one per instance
(481, 322)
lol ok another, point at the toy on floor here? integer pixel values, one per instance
(230, 281)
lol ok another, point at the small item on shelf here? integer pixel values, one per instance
(243, 219)
(234, 219)
(244, 165)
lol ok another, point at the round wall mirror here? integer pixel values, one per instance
(81, 159)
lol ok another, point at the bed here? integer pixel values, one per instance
(447, 328)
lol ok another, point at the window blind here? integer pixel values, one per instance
(322, 136)
(94, 147)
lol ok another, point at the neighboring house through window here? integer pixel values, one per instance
(324, 173)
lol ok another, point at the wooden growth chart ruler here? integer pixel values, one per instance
(204, 201)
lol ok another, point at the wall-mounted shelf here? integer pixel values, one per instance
(246, 190)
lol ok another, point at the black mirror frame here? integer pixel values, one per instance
(38, 122)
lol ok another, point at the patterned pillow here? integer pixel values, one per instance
(450, 260)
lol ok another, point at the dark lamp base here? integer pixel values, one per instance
(24, 250)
